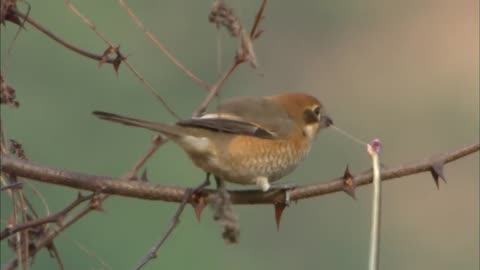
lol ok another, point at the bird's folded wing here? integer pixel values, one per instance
(229, 126)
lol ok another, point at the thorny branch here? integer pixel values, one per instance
(148, 191)
(173, 223)
(115, 49)
(168, 193)
(46, 239)
(57, 217)
(12, 186)
(145, 190)
(62, 42)
(245, 53)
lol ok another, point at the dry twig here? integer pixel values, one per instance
(173, 223)
(169, 193)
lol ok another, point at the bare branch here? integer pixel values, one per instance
(47, 239)
(12, 186)
(246, 55)
(173, 223)
(48, 219)
(170, 193)
(255, 32)
(161, 47)
(123, 59)
(216, 88)
(62, 42)
(157, 141)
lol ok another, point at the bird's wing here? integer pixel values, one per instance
(254, 116)
(228, 126)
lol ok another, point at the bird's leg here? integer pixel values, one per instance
(203, 185)
(220, 184)
(207, 179)
(222, 192)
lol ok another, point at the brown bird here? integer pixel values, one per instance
(247, 140)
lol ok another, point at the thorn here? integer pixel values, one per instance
(96, 204)
(437, 172)
(258, 34)
(116, 62)
(105, 55)
(198, 206)
(349, 183)
(279, 207)
(144, 177)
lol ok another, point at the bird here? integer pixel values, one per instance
(247, 140)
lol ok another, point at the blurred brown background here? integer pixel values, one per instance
(403, 71)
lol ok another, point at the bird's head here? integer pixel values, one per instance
(306, 110)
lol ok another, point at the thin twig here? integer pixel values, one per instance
(157, 141)
(19, 216)
(48, 219)
(54, 252)
(87, 22)
(17, 34)
(169, 193)
(151, 89)
(173, 223)
(216, 88)
(47, 239)
(135, 72)
(12, 186)
(213, 91)
(161, 47)
(62, 42)
(88, 252)
(42, 199)
(258, 18)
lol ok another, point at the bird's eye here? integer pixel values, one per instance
(316, 111)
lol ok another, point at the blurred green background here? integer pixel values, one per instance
(402, 71)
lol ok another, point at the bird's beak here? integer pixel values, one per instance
(325, 121)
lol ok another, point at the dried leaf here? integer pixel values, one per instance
(17, 149)
(348, 183)
(7, 12)
(7, 94)
(279, 208)
(437, 172)
(222, 15)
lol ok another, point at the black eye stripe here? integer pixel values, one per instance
(316, 110)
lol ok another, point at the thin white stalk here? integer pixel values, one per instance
(376, 204)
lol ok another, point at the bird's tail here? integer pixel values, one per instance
(155, 126)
